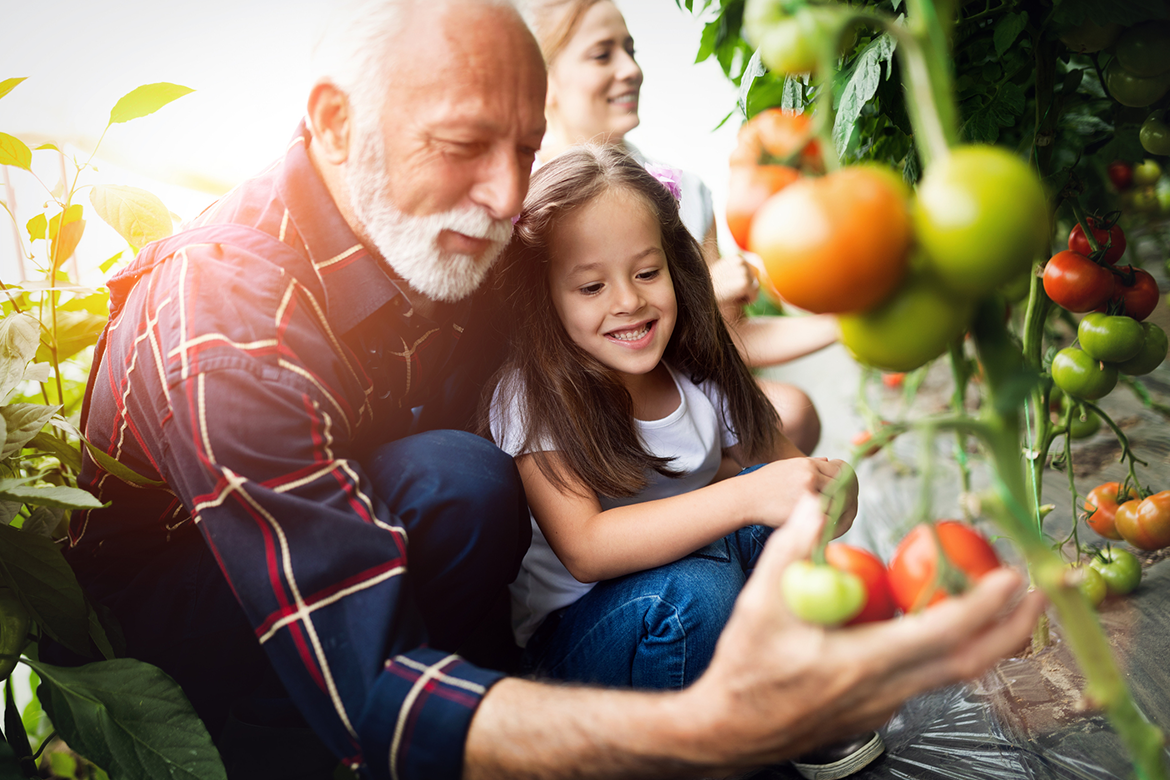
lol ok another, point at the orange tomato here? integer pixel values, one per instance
(1101, 504)
(1145, 524)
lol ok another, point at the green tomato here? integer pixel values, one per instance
(910, 329)
(1132, 90)
(1154, 135)
(790, 47)
(1110, 338)
(1121, 570)
(1083, 428)
(1017, 289)
(1090, 582)
(821, 594)
(1152, 353)
(1081, 376)
(982, 217)
(1144, 49)
(14, 623)
(1146, 173)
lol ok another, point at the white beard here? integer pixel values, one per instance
(410, 244)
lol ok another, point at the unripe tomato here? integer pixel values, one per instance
(1101, 507)
(879, 600)
(1110, 338)
(1089, 36)
(1146, 173)
(1089, 582)
(1145, 524)
(975, 234)
(1154, 135)
(1152, 354)
(1081, 376)
(1120, 569)
(1144, 49)
(1075, 282)
(1132, 90)
(1082, 426)
(914, 563)
(822, 594)
(839, 243)
(1114, 238)
(909, 330)
(1136, 290)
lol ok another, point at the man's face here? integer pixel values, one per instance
(435, 180)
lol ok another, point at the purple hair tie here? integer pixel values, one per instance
(671, 178)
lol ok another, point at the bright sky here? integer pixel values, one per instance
(248, 62)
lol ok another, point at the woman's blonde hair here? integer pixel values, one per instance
(553, 22)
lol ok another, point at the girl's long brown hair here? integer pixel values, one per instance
(574, 405)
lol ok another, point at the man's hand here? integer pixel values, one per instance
(777, 686)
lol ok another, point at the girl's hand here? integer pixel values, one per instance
(777, 487)
(734, 281)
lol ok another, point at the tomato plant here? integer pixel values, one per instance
(879, 599)
(1101, 505)
(1075, 282)
(1152, 353)
(1083, 426)
(822, 594)
(839, 243)
(1135, 291)
(1111, 239)
(914, 570)
(1081, 376)
(14, 626)
(1146, 523)
(1114, 339)
(974, 236)
(1120, 569)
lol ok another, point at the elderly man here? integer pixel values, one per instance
(292, 370)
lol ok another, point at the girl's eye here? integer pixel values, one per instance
(648, 275)
(591, 289)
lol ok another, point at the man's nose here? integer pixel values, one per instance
(502, 185)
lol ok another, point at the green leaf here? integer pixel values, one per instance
(20, 336)
(129, 715)
(752, 71)
(1001, 109)
(24, 421)
(35, 568)
(68, 454)
(7, 85)
(76, 330)
(138, 216)
(109, 262)
(9, 765)
(63, 764)
(36, 227)
(51, 495)
(65, 244)
(44, 521)
(50, 147)
(1007, 29)
(97, 633)
(145, 100)
(8, 511)
(861, 85)
(107, 462)
(14, 152)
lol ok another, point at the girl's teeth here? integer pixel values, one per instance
(631, 335)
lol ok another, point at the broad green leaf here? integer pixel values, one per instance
(862, 85)
(51, 147)
(138, 216)
(13, 151)
(20, 335)
(93, 301)
(44, 521)
(63, 451)
(71, 214)
(129, 716)
(65, 244)
(62, 764)
(110, 262)
(9, 765)
(7, 85)
(145, 100)
(36, 227)
(24, 421)
(1007, 29)
(8, 511)
(97, 633)
(47, 586)
(52, 495)
(124, 473)
(752, 71)
(38, 372)
(76, 330)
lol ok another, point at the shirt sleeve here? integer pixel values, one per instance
(718, 400)
(320, 565)
(508, 419)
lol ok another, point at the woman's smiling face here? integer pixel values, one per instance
(593, 83)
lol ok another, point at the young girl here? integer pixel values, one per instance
(626, 405)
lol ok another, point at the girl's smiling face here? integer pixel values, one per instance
(593, 83)
(610, 283)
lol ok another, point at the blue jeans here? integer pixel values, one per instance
(650, 629)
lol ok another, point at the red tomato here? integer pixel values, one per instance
(913, 565)
(894, 379)
(1076, 282)
(838, 243)
(1114, 237)
(1121, 174)
(879, 600)
(1145, 524)
(749, 187)
(1137, 299)
(1101, 504)
(774, 136)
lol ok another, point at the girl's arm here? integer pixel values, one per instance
(598, 545)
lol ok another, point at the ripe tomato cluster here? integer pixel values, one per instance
(1117, 512)
(854, 586)
(901, 270)
(1112, 336)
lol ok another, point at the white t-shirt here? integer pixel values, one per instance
(694, 435)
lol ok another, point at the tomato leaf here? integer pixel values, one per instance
(1007, 29)
(861, 84)
(13, 151)
(36, 227)
(35, 568)
(145, 100)
(7, 85)
(1001, 109)
(23, 422)
(19, 338)
(138, 216)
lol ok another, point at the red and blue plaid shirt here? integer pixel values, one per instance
(250, 377)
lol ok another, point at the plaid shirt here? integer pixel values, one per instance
(251, 361)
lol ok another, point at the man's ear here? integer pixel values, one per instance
(330, 120)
